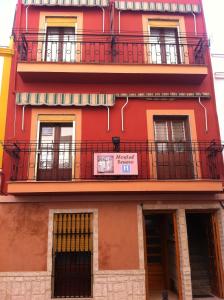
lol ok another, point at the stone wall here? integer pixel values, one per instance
(107, 285)
(185, 269)
(25, 286)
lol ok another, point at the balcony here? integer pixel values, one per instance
(119, 167)
(123, 58)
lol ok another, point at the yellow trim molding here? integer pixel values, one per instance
(67, 18)
(150, 114)
(7, 54)
(163, 21)
(52, 115)
(61, 22)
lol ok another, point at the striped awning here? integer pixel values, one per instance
(53, 99)
(158, 7)
(90, 3)
(164, 96)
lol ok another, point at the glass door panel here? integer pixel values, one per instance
(60, 44)
(69, 45)
(164, 46)
(55, 152)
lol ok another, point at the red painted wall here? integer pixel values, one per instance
(24, 234)
(94, 120)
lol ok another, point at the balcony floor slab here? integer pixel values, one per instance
(81, 73)
(46, 187)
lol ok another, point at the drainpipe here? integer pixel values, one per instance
(195, 23)
(122, 114)
(206, 114)
(108, 118)
(27, 18)
(119, 21)
(103, 10)
(14, 125)
(23, 117)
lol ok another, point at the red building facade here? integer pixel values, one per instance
(113, 164)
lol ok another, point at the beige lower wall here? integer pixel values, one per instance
(109, 284)
(116, 285)
(26, 230)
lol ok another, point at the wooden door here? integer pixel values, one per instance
(173, 149)
(155, 232)
(55, 152)
(215, 259)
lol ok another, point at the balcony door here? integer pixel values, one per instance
(164, 46)
(173, 148)
(60, 44)
(55, 151)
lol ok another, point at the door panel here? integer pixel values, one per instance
(173, 149)
(55, 152)
(155, 257)
(164, 46)
(161, 243)
(60, 44)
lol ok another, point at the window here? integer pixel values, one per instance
(164, 46)
(60, 44)
(72, 255)
(170, 130)
(55, 151)
(173, 148)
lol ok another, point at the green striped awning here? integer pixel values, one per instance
(164, 96)
(158, 7)
(91, 3)
(53, 99)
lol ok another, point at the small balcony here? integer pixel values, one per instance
(79, 57)
(118, 167)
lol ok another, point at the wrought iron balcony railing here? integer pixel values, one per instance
(111, 49)
(107, 161)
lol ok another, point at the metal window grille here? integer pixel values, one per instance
(72, 255)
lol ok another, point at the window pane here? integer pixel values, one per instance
(65, 148)
(171, 47)
(178, 135)
(47, 134)
(155, 51)
(66, 134)
(52, 48)
(46, 148)
(161, 134)
(69, 45)
(178, 131)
